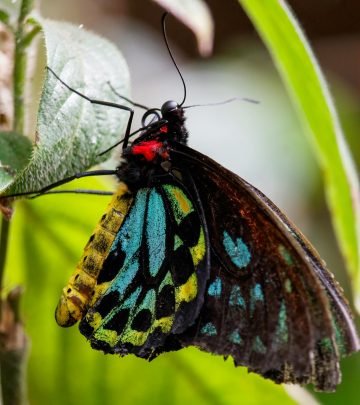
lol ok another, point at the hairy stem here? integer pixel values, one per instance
(20, 67)
(13, 341)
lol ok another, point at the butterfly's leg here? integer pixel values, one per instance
(105, 103)
(75, 191)
(64, 181)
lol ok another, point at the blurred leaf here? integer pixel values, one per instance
(47, 238)
(9, 11)
(15, 151)
(196, 15)
(306, 84)
(4, 17)
(72, 132)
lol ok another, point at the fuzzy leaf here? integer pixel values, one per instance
(72, 132)
(15, 151)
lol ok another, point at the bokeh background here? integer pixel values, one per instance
(264, 143)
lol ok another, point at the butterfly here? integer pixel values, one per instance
(190, 254)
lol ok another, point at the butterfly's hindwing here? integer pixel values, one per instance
(153, 279)
(266, 304)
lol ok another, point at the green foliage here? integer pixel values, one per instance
(71, 132)
(4, 17)
(15, 152)
(307, 87)
(8, 12)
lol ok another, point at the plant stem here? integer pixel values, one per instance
(13, 340)
(4, 237)
(19, 80)
(13, 353)
(20, 67)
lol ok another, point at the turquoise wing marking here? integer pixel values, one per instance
(155, 275)
(155, 232)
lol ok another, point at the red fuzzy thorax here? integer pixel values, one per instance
(150, 149)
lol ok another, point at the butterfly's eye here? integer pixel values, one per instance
(168, 107)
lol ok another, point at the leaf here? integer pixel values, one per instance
(196, 15)
(299, 68)
(72, 132)
(4, 17)
(9, 11)
(15, 151)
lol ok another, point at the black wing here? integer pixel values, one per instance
(270, 302)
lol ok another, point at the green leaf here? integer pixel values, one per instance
(9, 11)
(72, 132)
(196, 15)
(15, 151)
(4, 17)
(307, 87)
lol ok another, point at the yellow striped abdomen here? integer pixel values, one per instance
(78, 293)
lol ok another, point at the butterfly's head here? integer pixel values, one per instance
(169, 108)
(173, 114)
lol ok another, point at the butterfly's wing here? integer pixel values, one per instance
(153, 278)
(270, 302)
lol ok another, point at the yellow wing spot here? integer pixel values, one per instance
(186, 292)
(95, 320)
(134, 337)
(198, 251)
(107, 335)
(164, 323)
(184, 203)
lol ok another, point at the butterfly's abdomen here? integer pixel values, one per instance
(78, 293)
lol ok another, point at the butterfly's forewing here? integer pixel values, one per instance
(270, 302)
(152, 282)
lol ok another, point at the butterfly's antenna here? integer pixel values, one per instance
(248, 100)
(171, 56)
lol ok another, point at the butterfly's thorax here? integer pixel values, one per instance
(143, 160)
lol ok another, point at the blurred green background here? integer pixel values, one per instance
(263, 143)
